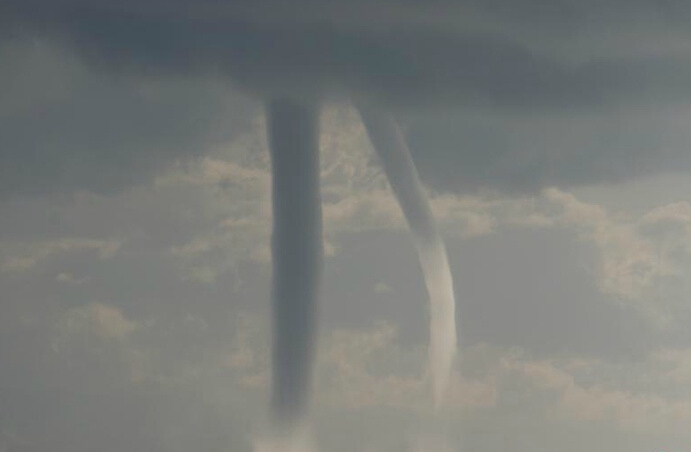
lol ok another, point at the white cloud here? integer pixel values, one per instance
(629, 263)
(299, 440)
(23, 256)
(359, 369)
(97, 319)
(367, 369)
(633, 411)
(382, 287)
(673, 367)
(232, 206)
(69, 278)
(637, 253)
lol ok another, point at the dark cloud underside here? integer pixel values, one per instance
(398, 64)
(505, 60)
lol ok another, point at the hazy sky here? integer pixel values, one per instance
(135, 219)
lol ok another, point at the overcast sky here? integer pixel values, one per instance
(135, 218)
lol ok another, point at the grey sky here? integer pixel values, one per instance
(135, 222)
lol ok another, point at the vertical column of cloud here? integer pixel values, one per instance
(400, 170)
(297, 254)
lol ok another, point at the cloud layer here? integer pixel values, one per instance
(398, 62)
(507, 95)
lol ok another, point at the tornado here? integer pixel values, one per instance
(390, 145)
(297, 255)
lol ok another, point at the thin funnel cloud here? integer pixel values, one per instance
(403, 177)
(297, 254)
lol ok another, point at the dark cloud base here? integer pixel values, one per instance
(107, 136)
(409, 64)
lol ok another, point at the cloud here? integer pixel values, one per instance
(361, 369)
(639, 256)
(400, 63)
(69, 278)
(66, 128)
(103, 321)
(207, 222)
(382, 287)
(560, 96)
(98, 368)
(301, 440)
(19, 257)
(368, 369)
(633, 256)
(629, 410)
(471, 149)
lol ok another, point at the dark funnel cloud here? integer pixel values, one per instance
(297, 252)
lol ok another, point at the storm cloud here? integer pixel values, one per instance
(397, 61)
(527, 72)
